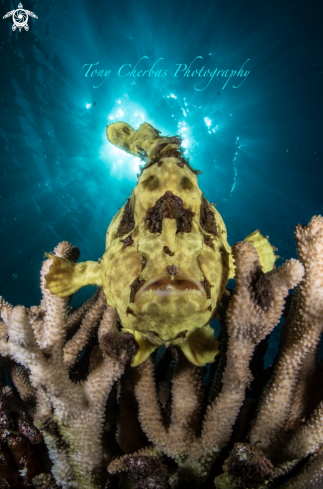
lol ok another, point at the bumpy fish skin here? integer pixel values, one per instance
(167, 258)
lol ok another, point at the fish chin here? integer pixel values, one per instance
(169, 312)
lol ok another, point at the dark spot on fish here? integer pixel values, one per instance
(207, 218)
(171, 207)
(128, 219)
(209, 241)
(181, 165)
(151, 183)
(207, 287)
(159, 164)
(167, 251)
(210, 308)
(126, 130)
(128, 241)
(129, 311)
(135, 286)
(186, 183)
(260, 288)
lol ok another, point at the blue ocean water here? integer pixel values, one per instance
(256, 134)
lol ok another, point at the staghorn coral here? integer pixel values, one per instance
(69, 414)
(161, 424)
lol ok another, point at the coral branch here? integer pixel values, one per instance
(74, 347)
(311, 476)
(149, 412)
(253, 312)
(70, 415)
(187, 401)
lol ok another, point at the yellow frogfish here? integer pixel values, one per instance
(167, 258)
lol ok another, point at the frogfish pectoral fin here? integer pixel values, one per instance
(265, 250)
(65, 277)
(146, 347)
(201, 346)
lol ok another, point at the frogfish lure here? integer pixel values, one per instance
(167, 258)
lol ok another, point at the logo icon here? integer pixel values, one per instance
(20, 18)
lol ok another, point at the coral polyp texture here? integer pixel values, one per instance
(116, 393)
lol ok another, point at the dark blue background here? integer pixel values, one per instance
(61, 180)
